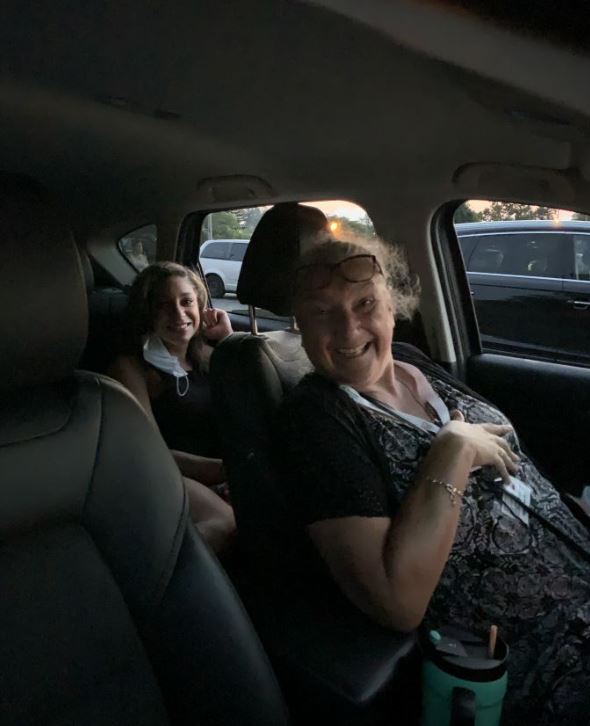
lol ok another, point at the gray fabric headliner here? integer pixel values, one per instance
(123, 107)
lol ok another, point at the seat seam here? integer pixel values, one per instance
(97, 447)
(159, 589)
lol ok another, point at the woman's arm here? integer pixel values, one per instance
(389, 568)
(130, 372)
(208, 471)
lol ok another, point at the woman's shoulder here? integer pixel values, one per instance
(128, 362)
(313, 389)
(316, 398)
(132, 366)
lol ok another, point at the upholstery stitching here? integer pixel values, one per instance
(168, 568)
(100, 397)
(42, 434)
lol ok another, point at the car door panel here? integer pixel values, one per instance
(549, 405)
(518, 313)
(575, 330)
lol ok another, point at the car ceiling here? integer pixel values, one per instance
(124, 108)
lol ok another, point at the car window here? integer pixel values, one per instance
(582, 256)
(221, 260)
(523, 253)
(216, 250)
(467, 244)
(238, 251)
(139, 246)
(528, 268)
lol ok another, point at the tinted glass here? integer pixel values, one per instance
(467, 245)
(216, 250)
(582, 256)
(139, 246)
(526, 253)
(237, 252)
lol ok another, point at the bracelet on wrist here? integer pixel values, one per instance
(454, 493)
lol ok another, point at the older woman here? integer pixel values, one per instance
(398, 477)
(171, 331)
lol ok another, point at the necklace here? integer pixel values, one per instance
(427, 408)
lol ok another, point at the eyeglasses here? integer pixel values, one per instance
(358, 268)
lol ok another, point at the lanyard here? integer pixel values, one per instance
(556, 531)
(372, 404)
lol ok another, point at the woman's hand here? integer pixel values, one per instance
(485, 441)
(215, 324)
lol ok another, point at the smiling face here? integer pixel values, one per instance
(347, 331)
(176, 313)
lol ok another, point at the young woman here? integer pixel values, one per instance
(165, 366)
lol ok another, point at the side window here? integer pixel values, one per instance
(233, 228)
(582, 256)
(139, 246)
(238, 250)
(528, 268)
(467, 244)
(216, 251)
(523, 253)
(488, 255)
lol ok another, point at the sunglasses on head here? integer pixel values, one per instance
(358, 268)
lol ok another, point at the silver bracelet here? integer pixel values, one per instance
(453, 492)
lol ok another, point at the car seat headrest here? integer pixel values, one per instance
(267, 270)
(43, 308)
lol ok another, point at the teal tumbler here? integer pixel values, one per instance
(461, 684)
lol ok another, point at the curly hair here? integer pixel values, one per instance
(403, 286)
(141, 308)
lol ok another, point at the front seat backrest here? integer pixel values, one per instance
(335, 665)
(113, 611)
(251, 373)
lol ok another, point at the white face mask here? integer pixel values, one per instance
(156, 353)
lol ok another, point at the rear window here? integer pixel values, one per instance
(139, 246)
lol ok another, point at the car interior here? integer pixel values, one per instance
(120, 115)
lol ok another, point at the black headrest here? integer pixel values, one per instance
(43, 309)
(267, 270)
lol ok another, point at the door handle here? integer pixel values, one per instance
(579, 304)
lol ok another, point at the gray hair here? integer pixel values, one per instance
(403, 286)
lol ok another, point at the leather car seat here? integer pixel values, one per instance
(334, 664)
(113, 611)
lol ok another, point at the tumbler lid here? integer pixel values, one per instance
(463, 654)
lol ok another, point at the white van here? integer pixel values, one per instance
(221, 260)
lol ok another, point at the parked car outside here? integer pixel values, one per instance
(221, 260)
(530, 282)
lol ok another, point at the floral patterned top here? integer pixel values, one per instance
(501, 569)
